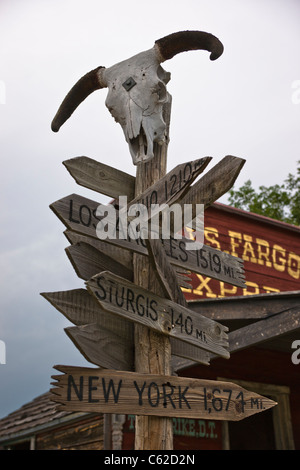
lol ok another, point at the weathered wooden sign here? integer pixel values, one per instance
(92, 322)
(110, 391)
(136, 304)
(206, 260)
(87, 260)
(172, 186)
(102, 347)
(79, 215)
(216, 182)
(115, 183)
(103, 342)
(100, 177)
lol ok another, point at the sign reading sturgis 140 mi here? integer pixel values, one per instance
(125, 299)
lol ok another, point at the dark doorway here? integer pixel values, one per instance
(253, 433)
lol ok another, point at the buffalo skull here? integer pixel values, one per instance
(137, 90)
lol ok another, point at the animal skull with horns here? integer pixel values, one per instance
(137, 90)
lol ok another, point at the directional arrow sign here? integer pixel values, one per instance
(206, 260)
(123, 256)
(115, 183)
(215, 182)
(100, 177)
(102, 346)
(136, 304)
(87, 260)
(83, 310)
(101, 341)
(173, 185)
(109, 391)
(79, 214)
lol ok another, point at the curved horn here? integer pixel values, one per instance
(183, 41)
(84, 87)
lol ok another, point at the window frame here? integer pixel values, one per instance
(282, 422)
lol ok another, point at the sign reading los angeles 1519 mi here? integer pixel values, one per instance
(79, 214)
(110, 391)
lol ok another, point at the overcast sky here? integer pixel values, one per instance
(247, 104)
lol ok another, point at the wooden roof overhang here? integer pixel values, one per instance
(265, 320)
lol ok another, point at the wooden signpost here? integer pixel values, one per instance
(106, 315)
(133, 320)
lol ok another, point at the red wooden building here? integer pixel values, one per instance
(264, 319)
(270, 250)
(264, 337)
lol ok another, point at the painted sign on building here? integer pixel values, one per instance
(270, 250)
(187, 433)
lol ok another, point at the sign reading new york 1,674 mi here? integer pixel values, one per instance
(110, 391)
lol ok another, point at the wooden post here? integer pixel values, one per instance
(152, 350)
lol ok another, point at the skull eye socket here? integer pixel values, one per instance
(163, 75)
(161, 91)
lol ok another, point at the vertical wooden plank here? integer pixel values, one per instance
(152, 350)
(165, 272)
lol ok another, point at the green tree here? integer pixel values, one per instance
(281, 202)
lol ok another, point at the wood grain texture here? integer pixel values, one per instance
(79, 215)
(271, 327)
(100, 177)
(102, 341)
(102, 347)
(246, 307)
(170, 284)
(206, 260)
(216, 182)
(165, 272)
(110, 391)
(119, 254)
(87, 261)
(275, 320)
(139, 305)
(172, 186)
(81, 309)
(152, 350)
